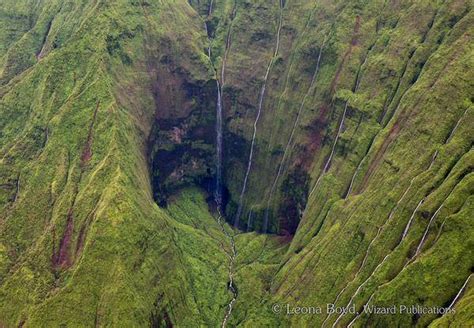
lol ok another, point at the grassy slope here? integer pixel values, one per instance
(76, 109)
(88, 109)
(335, 233)
(413, 61)
(387, 40)
(73, 132)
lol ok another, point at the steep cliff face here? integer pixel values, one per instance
(346, 138)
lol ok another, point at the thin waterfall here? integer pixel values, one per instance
(433, 158)
(361, 312)
(405, 232)
(460, 292)
(219, 116)
(209, 12)
(227, 45)
(440, 230)
(341, 125)
(422, 241)
(290, 140)
(259, 111)
(432, 219)
(219, 112)
(209, 39)
(285, 85)
(354, 176)
(351, 185)
(407, 228)
(218, 190)
(218, 187)
(456, 127)
(249, 220)
(369, 247)
(219, 143)
(328, 161)
(230, 269)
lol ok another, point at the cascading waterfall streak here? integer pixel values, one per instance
(209, 12)
(359, 313)
(219, 111)
(456, 126)
(371, 296)
(369, 247)
(218, 188)
(339, 130)
(209, 46)
(219, 137)
(249, 220)
(290, 139)
(227, 45)
(460, 292)
(219, 115)
(259, 111)
(230, 269)
(405, 232)
(353, 177)
(407, 228)
(305, 29)
(351, 185)
(328, 161)
(422, 241)
(432, 219)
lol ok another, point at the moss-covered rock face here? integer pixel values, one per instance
(182, 150)
(347, 135)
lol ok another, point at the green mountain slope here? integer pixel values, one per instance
(347, 135)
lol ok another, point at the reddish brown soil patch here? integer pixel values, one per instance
(314, 139)
(61, 257)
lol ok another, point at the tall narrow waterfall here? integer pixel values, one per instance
(218, 187)
(290, 140)
(259, 111)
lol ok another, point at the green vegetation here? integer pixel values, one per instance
(108, 107)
